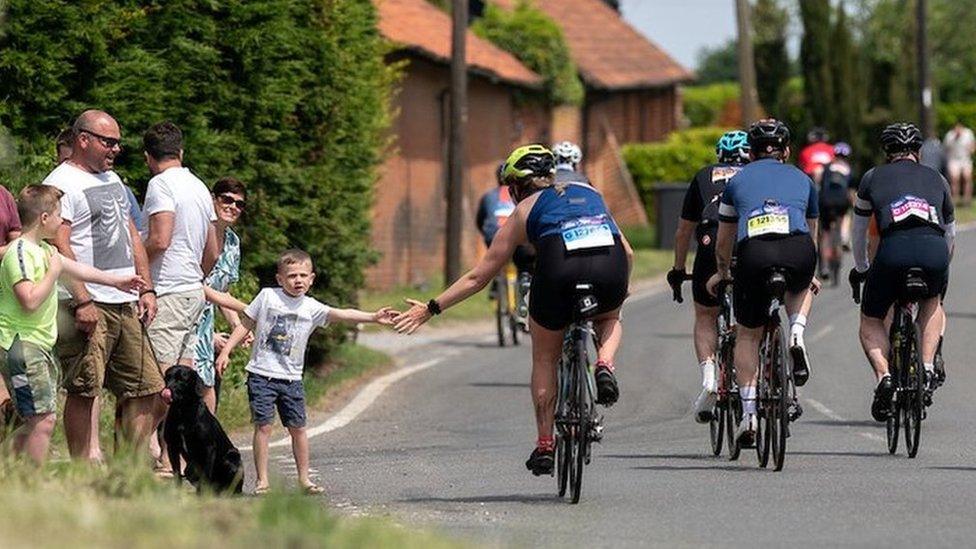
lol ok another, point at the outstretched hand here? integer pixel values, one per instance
(415, 317)
(130, 283)
(385, 316)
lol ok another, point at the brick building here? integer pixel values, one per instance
(409, 216)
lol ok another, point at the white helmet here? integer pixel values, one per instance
(567, 151)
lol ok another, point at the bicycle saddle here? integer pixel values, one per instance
(915, 286)
(776, 283)
(586, 302)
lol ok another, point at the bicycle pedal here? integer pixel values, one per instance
(795, 412)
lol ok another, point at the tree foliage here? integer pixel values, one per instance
(770, 22)
(718, 64)
(537, 41)
(289, 96)
(815, 59)
(847, 93)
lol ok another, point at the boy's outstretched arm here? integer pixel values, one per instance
(87, 273)
(223, 299)
(238, 335)
(383, 316)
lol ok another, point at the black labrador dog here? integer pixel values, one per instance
(192, 433)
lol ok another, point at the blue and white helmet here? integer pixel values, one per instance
(733, 147)
(567, 152)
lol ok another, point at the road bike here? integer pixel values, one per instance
(508, 295)
(728, 407)
(776, 403)
(577, 423)
(911, 395)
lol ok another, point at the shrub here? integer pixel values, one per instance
(704, 104)
(538, 42)
(289, 96)
(948, 113)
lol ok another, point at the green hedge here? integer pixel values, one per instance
(538, 42)
(290, 96)
(704, 104)
(948, 113)
(673, 161)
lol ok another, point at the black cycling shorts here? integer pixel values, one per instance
(524, 258)
(755, 257)
(705, 266)
(829, 214)
(898, 252)
(557, 271)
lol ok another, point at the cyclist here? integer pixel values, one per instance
(568, 158)
(494, 209)
(837, 184)
(577, 240)
(769, 212)
(913, 208)
(816, 154)
(699, 215)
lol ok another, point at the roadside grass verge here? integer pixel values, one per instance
(965, 214)
(122, 505)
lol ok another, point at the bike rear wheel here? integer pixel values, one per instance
(779, 403)
(914, 408)
(584, 404)
(716, 427)
(501, 310)
(763, 400)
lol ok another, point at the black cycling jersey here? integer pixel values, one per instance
(835, 184)
(702, 198)
(905, 195)
(571, 176)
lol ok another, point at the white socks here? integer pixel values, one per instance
(798, 323)
(748, 396)
(929, 367)
(708, 374)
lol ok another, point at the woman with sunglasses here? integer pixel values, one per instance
(229, 201)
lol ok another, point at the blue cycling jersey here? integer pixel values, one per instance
(495, 207)
(768, 197)
(577, 212)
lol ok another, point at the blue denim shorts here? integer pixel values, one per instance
(265, 394)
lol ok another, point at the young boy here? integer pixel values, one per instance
(283, 319)
(28, 316)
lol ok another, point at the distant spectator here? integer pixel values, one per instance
(9, 230)
(229, 199)
(106, 345)
(960, 145)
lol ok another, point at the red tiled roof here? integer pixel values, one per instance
(609, 53)
(419, 26)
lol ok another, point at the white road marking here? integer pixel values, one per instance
(362, 401)
(823, 409)
(823, 331)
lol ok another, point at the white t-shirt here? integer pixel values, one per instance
(177, 190)
(959, 146)
(283, 326)
(96, 206)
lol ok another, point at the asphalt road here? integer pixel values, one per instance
(445, 447)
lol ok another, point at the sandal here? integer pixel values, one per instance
(162, 472)
(313, 490)
(261, 490)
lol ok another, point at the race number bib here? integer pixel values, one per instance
(770, 219)
(584, 233)
(913, 206)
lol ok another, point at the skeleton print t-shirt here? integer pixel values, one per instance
(97, 208)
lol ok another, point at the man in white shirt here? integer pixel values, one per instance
(960, 143)
(181, 244)
(106, 345)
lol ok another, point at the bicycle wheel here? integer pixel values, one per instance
(501, 309)
(763, 403)
(914, 408)
(779, 405)
(584, 404)
(716, 427)
(511, 302)
(893, 423)
(733, 405)
(563, 439)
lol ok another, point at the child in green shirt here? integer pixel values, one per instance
(28, 316)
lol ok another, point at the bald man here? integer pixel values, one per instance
(106, 345)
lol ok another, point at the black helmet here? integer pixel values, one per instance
(500, 173)
(901, 137)
(768, 135)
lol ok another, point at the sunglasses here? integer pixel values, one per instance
(227, 200)
(107, 142)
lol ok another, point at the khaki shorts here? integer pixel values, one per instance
(174, 331)
(117, 355)
(33, 374)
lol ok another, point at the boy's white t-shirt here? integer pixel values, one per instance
(97, 207)
(283, 326)
(177, 190)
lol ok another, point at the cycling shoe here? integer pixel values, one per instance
(541, 462)
(881, 406)
(607, 391)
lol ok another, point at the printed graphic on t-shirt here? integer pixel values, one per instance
(280, 336)
(724, 173)
(913, 206)
(771, 218)
(111, 248)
